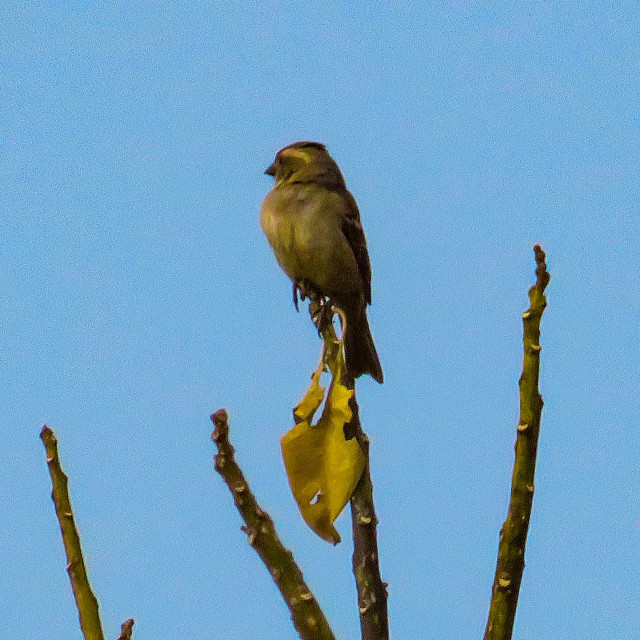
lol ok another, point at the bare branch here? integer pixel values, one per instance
(513, 536)
(372, 591)
(85, 600)
(306, 614)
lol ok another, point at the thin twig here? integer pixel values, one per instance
(85, 600)
(513, 536)
(306, 614)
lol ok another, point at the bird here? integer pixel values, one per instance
(313, 225)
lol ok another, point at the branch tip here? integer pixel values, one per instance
(126, 629)
(47, 436)
(220, 420)
(220, 415)
(542, 275)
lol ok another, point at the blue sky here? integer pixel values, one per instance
(138, 295)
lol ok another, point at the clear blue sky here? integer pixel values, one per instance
(138, 295)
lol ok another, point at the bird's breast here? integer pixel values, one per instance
(303, 226)
(284, 223)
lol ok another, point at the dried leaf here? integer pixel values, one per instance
(307, 407)
(322, 466)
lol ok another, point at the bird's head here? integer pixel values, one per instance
(305, 162)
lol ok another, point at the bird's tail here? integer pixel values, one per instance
(359, 349)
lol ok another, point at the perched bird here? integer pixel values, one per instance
(313, 226)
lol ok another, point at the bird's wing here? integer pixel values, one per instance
(352, 229)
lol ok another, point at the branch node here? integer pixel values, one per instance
(504, 582)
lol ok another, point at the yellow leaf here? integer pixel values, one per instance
(312, 399)
(322, 466)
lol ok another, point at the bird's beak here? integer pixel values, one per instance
(270, 170)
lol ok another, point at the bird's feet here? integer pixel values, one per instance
(320, 307)
(321, 312)
(306, 290)
(303, 288)
(296, 288)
